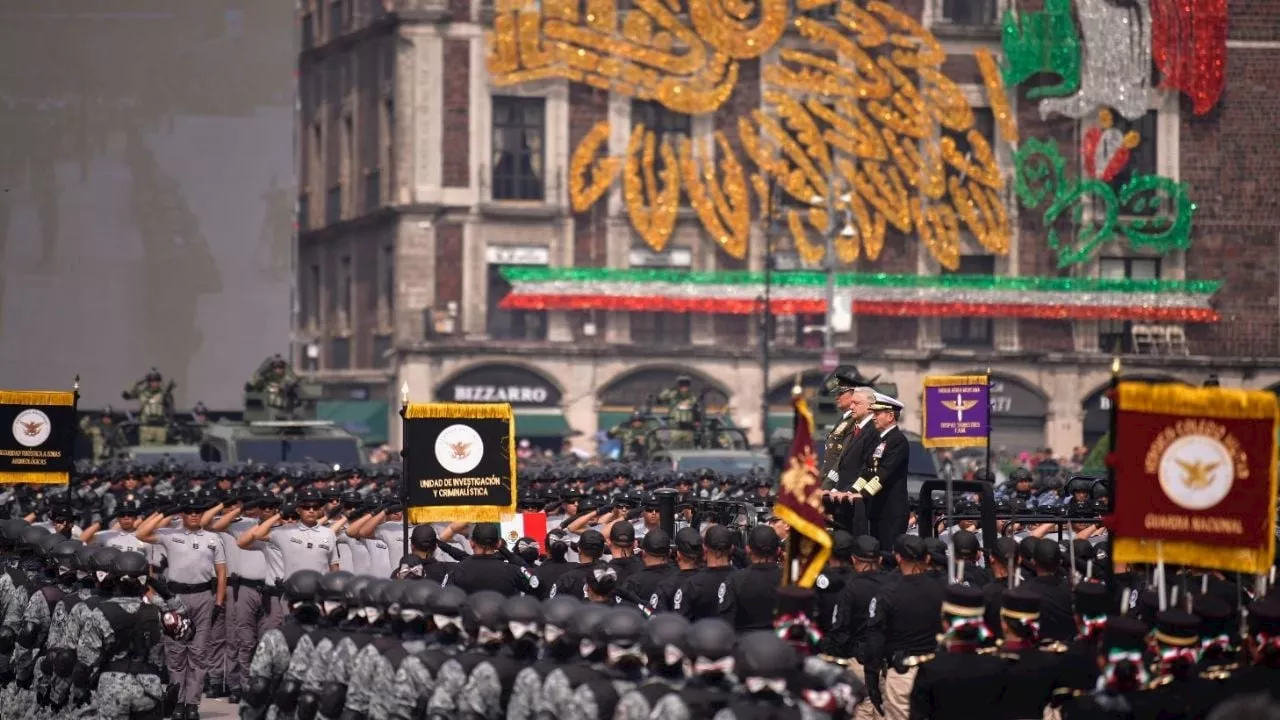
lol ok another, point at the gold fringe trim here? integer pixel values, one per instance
(456, 513)
(34, 478)
(818, 535)
(1194, 402)
(37, 397)
(946, 380)
(1245, 560)
(952, 442)
(477, 411)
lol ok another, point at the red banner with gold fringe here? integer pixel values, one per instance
(1196, 470)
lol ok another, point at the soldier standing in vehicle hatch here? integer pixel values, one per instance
(681, 405)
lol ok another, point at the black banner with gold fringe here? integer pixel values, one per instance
(459, 462)
(37, 436)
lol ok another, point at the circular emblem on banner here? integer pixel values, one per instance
(1196, 472)
(31, 428)
(459, 449)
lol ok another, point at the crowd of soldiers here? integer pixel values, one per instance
(301, 592)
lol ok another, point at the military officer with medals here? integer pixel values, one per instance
(883, 480)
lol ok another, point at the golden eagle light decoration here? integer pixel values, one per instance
(864, 116)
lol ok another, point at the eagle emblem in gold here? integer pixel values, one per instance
(1196, 471)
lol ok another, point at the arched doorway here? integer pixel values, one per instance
(534, 397)
(633, 389)
(1097, 406)
(1018, 414)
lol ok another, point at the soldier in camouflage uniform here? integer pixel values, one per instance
(681, 404)
(277, 382)
(120, 644)
(275, 649)
(490, 685)
(155, 406)
(558, 647)
(620, 633)
(633, 435)
(663, 643)
(55, 583)
(331, 597)
(103, 434)
(315, 667)
(415, 681)
(562, 682)
(399, 651)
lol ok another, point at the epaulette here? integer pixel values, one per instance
(1055, 647)
(1220, 672)
(988, 650)
(1159, 682)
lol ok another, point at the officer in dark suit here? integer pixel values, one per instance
(883, 482)
(842, 385)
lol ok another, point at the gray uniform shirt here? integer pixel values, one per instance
(251, 563)
(192, 554)
(304, 548)
(391, 532)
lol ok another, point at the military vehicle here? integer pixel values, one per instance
(281, 434)
(733, 462)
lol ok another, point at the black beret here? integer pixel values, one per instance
(964, 601)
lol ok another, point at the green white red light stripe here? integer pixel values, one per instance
(737, 292)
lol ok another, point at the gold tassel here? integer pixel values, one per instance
(949, 380)
(1192, 402)
(455, 513)
(37, 397)
(1246, 560)
(34, 478)
(472, 411)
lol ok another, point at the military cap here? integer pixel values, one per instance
(763, 540)
(1124, 633)
(486, 534)
(656, 542)
(936, 550)
(591, 541)
(1178, 628)
(841, 380)
(841, 544)
(1005, 550)
(910, 547)
(964, 601)
(1264, 616)
(866, 548)
(129, 509)
(718, 538)
(884, 402)
(1215, 616)
(1092, 599)
(683, 379)
(965, 544)
(423, 537)
(688, 542)
(622, 534)
(1020, 604)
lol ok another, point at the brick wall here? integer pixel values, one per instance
(455, 140)
(449, 266)
(1230, 158)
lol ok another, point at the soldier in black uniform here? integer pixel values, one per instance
(747, 596)
(1056, 621)
(1123, 674)
(1177, 655)
(422, 545)
(1033, 670)
(831, 582)
(487, 570)
(1262, 650)
(670, 591)
(701, 595)
(622, 543)
(590, 553)
(1079, 664)
(1219, 653)
(852, 609)
(962, 679)
(966, 547)
(643, 584)
(555, 566)
(904, 620)
(1004, 549)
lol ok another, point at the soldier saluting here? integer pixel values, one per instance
(155, 406)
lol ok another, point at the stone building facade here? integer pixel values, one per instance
(419, 182)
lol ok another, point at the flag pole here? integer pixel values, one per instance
(1112, 429)
(990, 473)
(404, 465)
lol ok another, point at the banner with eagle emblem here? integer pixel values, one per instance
(956, 411)
(459, 462)
(1195, 473)
(37, 436)
(800, 501)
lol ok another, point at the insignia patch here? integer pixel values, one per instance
(653, 600)
(309, 546)
(871, 609)
(553, 590)
(675, 601)
(840, 428)
(195, 546)
(533, 581)
(835, 611)
(822, 582)
(720, 593)
(295, 540)
(180, 541)
(879, 451)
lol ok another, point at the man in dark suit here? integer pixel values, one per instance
(883, 482)
(851, 512)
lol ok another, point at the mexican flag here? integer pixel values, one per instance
(527, 524)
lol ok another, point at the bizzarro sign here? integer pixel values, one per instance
(500, 383)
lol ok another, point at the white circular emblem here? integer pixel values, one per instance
(871, 609)
(721, 592)
(1196, 472)
(553, 591)
(533, 581)
(675, 601)
(31, 428)
(653, 600)
(822, 582)
(459, 449)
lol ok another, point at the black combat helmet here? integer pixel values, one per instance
(333, 593)
(584, 622)
(302, 587)
(524, 617)
(29, 542)
(711, 642)
(483, 617)
(417, 597)
(154, 376)
(129, 573)
(63, 556)
(84, 560)
(764, 655)
(621, 633)
(665, 642)
(104, 559)
(11, 532)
